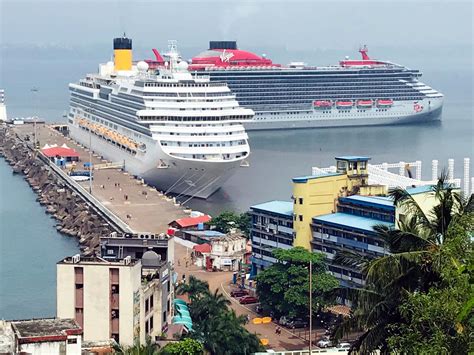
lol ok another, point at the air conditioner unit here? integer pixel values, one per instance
(127, 260)
(113, 235)
(76, 258)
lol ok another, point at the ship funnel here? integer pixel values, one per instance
(122, 53)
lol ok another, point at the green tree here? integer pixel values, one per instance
(149, 348)
(424, 249)
(186, 346)
(219, 329)
(194, 288)
(283, 287)
(227, 220)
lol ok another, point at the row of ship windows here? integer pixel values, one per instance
(180, 144)
(182, 84)
(344, 113)
(202, 134)
(257, 102)
(185, 94)
(305, 75)
(395, 83)
(191, 119)
(246, 93)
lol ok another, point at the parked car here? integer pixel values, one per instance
(248, 299)
(239, 293)
(343, 346)
(297, 323)
(324, 343)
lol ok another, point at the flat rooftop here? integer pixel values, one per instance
(316, 176)
(350, 221)
(279, 207)
(98, 261)
(205, 233)
(371, 201)
(352, 158)
(53, 328)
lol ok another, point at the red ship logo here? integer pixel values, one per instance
(418, 107)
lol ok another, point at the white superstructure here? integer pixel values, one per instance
(177, 131)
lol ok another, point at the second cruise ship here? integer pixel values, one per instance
(354, 92)
(179, 132)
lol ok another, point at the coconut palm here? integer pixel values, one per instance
(149, 348)
(419, 248)
(193, 288)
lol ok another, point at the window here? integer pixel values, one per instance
(151, 302)
(151, 324)
(147, 307)
(164, 317)
(301, 217)
(72, 341)
(301, 200)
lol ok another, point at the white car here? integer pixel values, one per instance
(343, 346)
(324, 343)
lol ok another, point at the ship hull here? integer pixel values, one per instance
(400, 113)
(171, 175)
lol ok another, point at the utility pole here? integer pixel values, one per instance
(34, 90)
(310, 305)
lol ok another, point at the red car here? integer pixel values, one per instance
(239, 293)
(248, 299)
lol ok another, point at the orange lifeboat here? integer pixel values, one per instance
(364, 103)
(384, 103)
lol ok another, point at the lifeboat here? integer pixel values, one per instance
(322, 103)
(364, 103)
(384, 103)
(344, 104)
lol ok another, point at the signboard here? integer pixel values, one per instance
(226, 262)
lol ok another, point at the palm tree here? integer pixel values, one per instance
(149, 348)
(418, 248)
(194, 288)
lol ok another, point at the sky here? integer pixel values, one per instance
(293, 25)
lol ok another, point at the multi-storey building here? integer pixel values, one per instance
(351, 229)
(272, 227)
(126, 300)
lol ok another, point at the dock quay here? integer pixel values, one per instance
(118, 202)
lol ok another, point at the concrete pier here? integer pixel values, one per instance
(141, 207)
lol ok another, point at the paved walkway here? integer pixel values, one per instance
(119, 192)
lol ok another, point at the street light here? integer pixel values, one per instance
(35, 91)
(89, 110)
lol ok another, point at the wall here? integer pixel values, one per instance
(46, 348)
(96, 302)
(130, 281)
(319, 195)
(65, 291)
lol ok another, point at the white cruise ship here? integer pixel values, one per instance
(177, 131)
(355, 92)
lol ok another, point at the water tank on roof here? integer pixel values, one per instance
(223, 45)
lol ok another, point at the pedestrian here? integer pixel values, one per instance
(115, 184)
(179, 262)
(125, 197)
(146, 195)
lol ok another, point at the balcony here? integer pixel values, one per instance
(79, 298)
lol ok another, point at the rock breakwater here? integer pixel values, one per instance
(73, 215)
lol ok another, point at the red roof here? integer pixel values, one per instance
(202, 248)
(60, 151)
(192, 221)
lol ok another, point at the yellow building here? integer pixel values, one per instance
(316, 195)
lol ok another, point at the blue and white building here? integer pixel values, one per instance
(351, 228)
(272, 227)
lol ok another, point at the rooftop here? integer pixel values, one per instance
(348, 220)
(97, 261)
(352, 158)
(276, 206)
(192, 221)
(206, 233)
(51, 329)
(316, 176)
(377, 201)
(420, 189)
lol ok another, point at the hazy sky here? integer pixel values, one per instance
(289, 24)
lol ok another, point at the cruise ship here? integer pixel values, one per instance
(353, 93)
(179, 132)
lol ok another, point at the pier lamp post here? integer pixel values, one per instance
(89, 110)
(35, 91)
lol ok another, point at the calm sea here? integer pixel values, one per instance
(30, 246)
